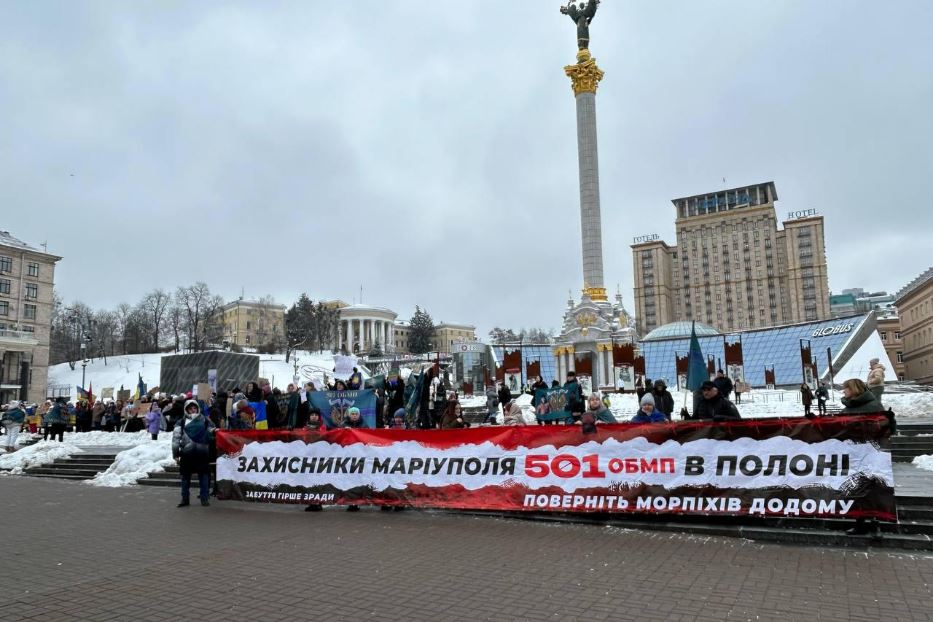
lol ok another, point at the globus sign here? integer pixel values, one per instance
(833, 330)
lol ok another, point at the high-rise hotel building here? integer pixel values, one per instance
(732, 268)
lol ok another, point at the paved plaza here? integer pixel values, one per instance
(76, 552)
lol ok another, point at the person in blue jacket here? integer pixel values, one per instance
(647, 413)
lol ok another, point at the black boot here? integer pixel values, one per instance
(314, 507)
(184, 503)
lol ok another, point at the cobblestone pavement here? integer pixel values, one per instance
(76, 552)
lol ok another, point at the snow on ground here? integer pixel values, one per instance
(924, 462)
(136, 463)
(124, 371)
(43, 452)
(109, 439)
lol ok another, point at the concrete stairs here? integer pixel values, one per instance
(78, 467)
(912, 440)
(170, 478)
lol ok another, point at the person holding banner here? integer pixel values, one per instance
(598, 411)
(512, 414)
(714, 406)
(354, 420)
(647, 413)
(398, 420)
(191, 442)
(858, 398)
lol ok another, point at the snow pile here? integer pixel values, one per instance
(909, 405)
(924, 462)
(43, 452)
(136, 463)
(109, 439)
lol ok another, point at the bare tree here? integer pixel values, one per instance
(176, 319)
(154, 306)
(123, 313)
(198, 305)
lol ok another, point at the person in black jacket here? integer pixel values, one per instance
(714, 406)
(575, 403)
(723, 383)
(663, 399)
(505, 396)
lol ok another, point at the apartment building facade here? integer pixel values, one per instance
(733, 267)
(27, 279)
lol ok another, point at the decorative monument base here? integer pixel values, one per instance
(589, 333)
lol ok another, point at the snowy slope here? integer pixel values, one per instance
(124, 371)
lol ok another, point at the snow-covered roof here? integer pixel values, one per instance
(6, 239)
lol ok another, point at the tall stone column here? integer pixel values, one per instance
(350, 336)
(585, 77)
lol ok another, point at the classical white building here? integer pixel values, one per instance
(362, 327)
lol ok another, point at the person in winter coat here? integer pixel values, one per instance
(858, 398)
(538, 385)
(822, 395)
(315, 423)
(504, 395)
(97, 414)
(218, 410)
(191, 440)
(597, 409)
(154, 420)
(354, 419)
(252, 392)
(273, 412)
(12, 421)
(647, 413)
(723, 384)
(243, 416)
(513, 414)
(55, 421)
(663, 400)
(440, 404)
(398, 420)
(806, 398)
(875, 379)
(492, 404)
(575, 402)
(355, 382)
(175, 412)
(452, 418)
(424, 399)
(714, 406)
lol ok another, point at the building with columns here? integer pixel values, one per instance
(27, 277)
(362, 327)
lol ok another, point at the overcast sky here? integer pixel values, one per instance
(427, 150)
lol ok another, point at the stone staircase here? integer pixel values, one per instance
(170, 478)
(912, 440)
(79, 466)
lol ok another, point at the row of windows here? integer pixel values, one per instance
(6, 265)
(32, 290)
(884, 335)
(29, 311)
(26, 328)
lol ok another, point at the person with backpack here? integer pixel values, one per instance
(191, 441)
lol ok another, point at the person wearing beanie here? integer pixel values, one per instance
(191, 446)
(398, 420)
(647, 413)
(354, 420)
